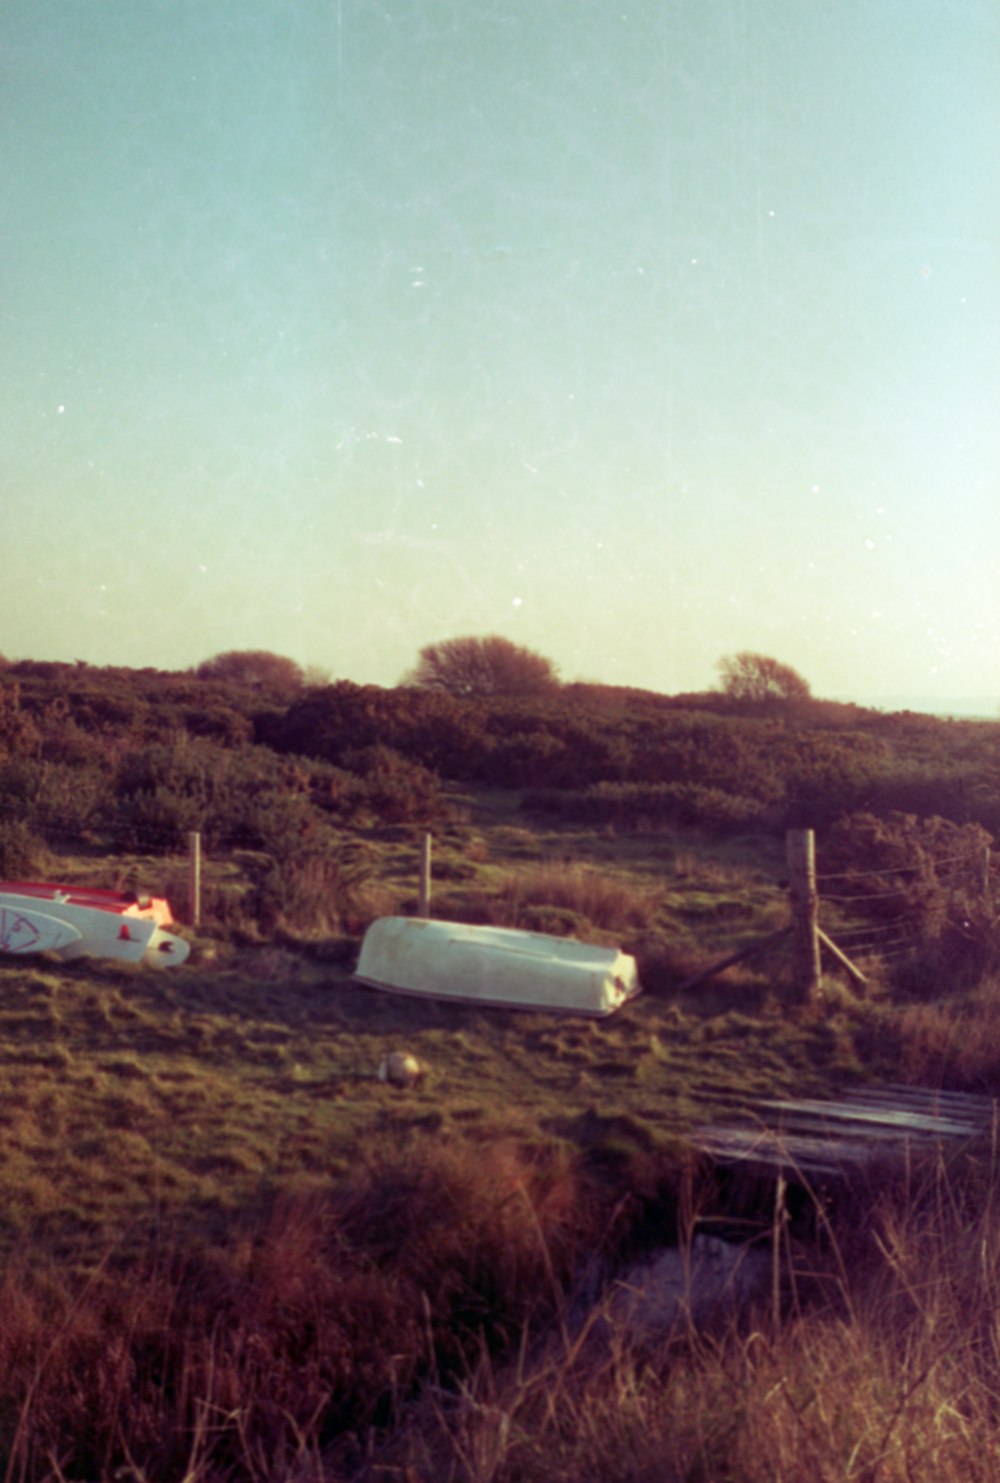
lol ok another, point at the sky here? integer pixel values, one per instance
(641, 332)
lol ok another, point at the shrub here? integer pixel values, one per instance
(602, 900)
(633, 804)
(482, 666)
(20, 735)
(256, 668)
(21, 853)
(397, 790)
(758, 680)
(223, 724)
(21, 780)
(482, 1229)
(74, 804)
(312, 891)
(307, 1320)
(239, 796)
(918, 880)
(526, 760)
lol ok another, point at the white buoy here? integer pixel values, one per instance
(400, 1069)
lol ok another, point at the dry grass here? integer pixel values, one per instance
(417, 1319)
(607, 900)
(879, 1367)
(311, 1317)
(947, 1041)
(251, 1260)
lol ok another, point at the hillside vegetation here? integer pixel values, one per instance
(88, 750)
(250, 1258)
(296, 794)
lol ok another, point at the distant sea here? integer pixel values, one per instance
(962, 707)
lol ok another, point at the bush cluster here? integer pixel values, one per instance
(696, 762)
(86, 760)
(634, 805)
(136, 760)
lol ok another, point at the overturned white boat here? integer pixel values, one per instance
(72, 921)
(499, 966)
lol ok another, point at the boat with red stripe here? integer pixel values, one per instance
(73, 921)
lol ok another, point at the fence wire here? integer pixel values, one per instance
(887, 921)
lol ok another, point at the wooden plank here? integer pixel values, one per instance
(926, 1096)
(772, 940)
(808, 1155)
(819, 1136)
(840, 957)
(877, 1118)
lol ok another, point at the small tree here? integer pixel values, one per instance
(758, 680)
(482, 666)
(256, 667)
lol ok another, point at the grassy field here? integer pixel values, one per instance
(131, 1096)
(232, 1252)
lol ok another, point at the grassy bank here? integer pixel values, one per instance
(422, 1320)
(874, 1360)
(230, 1251)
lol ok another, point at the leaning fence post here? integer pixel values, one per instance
(194, 877)
(424, 902)
(800, 847)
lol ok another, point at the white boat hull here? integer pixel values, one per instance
(495, 966)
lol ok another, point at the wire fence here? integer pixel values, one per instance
(883, 913)
(877, 913)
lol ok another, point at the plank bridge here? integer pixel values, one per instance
(861, 1129)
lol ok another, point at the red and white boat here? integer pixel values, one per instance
(73, 921)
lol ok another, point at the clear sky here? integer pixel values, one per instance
(639, 332)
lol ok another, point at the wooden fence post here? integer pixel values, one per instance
(424, 903)
(801, 855)
(984, 877)
(194, 877)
